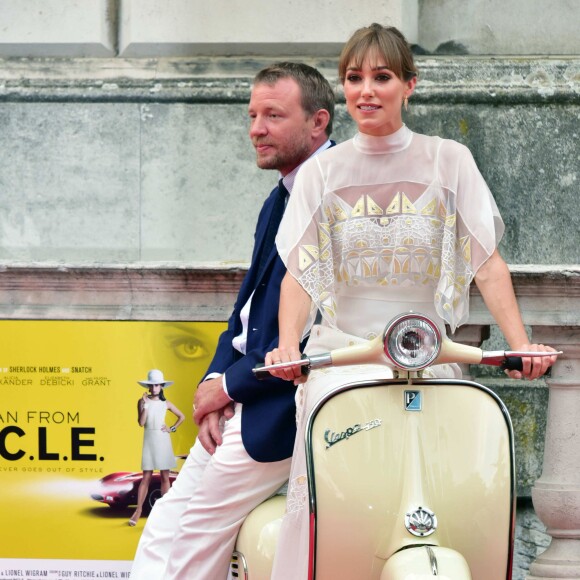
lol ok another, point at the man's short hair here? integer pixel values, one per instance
(315, 89)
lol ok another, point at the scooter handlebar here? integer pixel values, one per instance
(514, 362)
(372, 352)
(511, 360)
(262, 372)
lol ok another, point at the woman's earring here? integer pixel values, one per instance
(406, 103)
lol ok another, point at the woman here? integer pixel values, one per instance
(157, 449)
(387, 222)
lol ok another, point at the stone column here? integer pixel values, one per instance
(556, 495)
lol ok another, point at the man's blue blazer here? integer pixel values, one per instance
(268, 412)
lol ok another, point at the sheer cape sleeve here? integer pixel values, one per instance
(365, 222)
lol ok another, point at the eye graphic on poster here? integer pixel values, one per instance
(70, 441)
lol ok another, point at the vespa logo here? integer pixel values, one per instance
(413, 401)
(332, 438)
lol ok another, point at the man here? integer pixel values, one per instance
(246, 427)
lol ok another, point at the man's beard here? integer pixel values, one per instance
(290, 157)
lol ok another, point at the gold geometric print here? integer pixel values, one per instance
(328, 304)
(404, 245)
(373, 208)
(339, 213)
(323, 236)
(408, 207)
(395, 205)
(307, 255)
(359, 208)
(429, 209)
(465, 245)
(312, 250)
(329, 216)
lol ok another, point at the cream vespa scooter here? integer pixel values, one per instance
(409, 478)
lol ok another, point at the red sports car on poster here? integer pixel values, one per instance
(119, 490)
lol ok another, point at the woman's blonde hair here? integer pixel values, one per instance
(378, 41)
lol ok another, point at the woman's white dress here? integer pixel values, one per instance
(377, 226)
(157, 448)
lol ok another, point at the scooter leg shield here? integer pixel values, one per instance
(256, 544)
(379, 466)
(425, 563)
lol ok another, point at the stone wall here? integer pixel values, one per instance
(499, 27)
(124, 139)
(108, 158)
(148, 28)
(116, 160)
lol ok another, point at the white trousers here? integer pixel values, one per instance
(192, 529)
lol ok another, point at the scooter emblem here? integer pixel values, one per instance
(332, 438)
(413, 401)
(421, 522)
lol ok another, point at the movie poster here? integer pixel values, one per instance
(70, 443)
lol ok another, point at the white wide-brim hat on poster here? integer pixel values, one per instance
(155, 377)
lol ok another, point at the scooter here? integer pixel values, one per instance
(409, 478)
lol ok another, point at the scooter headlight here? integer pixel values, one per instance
(412, 341)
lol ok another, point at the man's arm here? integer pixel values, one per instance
(224, 353)
(243, 386)
(210, 396)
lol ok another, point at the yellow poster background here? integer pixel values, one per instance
(68, 417)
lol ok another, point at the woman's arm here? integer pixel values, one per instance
(494, 282)
(180, 416)
(142, 406)
(292, 317)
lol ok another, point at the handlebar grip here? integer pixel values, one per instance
(512, 363)
(259, 374)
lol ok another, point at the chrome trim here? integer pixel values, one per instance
(237, 559)
(317, 361)
(394, 382)
(421, 522)
(432, 560)
(414, 316)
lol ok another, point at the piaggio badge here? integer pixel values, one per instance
(413, 401)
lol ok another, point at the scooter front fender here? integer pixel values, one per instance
(257, 540)
(426, 563)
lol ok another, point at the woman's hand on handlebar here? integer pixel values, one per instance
(286, 354)
(534, 367)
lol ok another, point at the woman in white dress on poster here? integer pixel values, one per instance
(157, 449)
(387, 222)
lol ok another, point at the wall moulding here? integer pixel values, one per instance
(119, 292)
(548, 295)
(228, 80)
